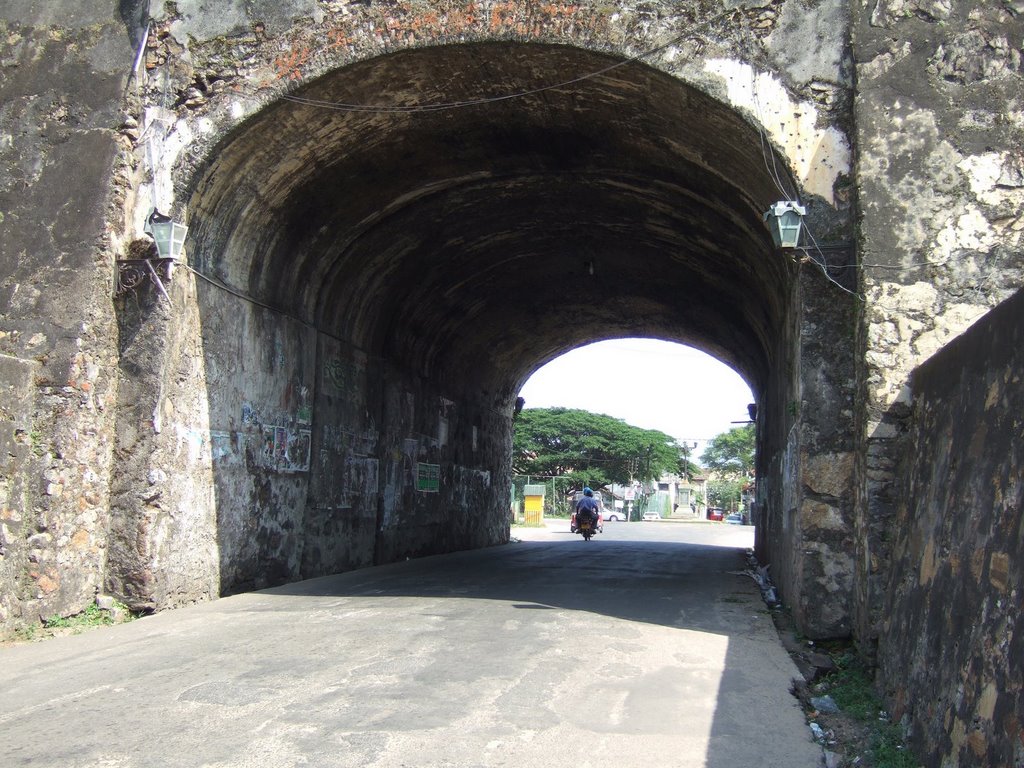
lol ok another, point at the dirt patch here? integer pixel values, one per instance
(838, 699)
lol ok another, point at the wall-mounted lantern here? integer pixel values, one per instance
(168, 234)
(785, 219)
(169, 237)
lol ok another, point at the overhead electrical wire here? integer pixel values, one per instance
(277, 310)
(768, 156)
(439, 106)
(776, 177)
(772, 170)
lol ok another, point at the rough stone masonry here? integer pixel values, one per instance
(397, 211)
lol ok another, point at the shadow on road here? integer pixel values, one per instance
(481, 658)
(696, 588)
(647, 581)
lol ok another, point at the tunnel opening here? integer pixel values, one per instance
(379, 283)
(647, 382)
(584, 419)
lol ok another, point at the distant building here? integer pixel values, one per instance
(670, 495)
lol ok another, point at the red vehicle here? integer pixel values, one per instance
(716, 514)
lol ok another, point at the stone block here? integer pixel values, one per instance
(818, 516)
(105, 602)
(829, 474)
(999, 571)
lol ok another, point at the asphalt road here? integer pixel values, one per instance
(638, 648)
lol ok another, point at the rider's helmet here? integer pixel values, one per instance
(588, 492)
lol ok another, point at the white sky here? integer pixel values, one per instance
(647, 383)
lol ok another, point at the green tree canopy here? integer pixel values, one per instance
(591, 448)
(731, 454)
(725, 494)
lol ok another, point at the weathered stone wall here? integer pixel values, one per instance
(939, 130)
(162, 543)
(951, 654)
(62, 74)
(255, 451)
(823, 545)
(221, 391)
(806, 454)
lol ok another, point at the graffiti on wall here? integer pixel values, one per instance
(285, 449)
(341, 375)
(282, 438)
(250, 414)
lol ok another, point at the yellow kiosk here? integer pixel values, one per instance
(533, 504)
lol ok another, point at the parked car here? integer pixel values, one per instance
(735, 519)
(615, 515)
(716, 514)
(651, 516)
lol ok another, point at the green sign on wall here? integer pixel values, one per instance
(428, 477)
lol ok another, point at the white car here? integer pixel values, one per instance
(652, 516)
(615, 515)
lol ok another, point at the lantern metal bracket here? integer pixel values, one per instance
(168, 239)
(132, 273)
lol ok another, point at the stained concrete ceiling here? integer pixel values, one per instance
(495, 236)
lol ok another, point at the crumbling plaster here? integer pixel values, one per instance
(938, 92)
(818, 153)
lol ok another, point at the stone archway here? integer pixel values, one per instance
(123, 419)
(371, 286)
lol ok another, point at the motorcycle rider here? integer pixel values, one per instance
(587, 507)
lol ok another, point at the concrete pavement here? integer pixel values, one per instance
(638, 648)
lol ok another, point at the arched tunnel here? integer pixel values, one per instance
(444, 237)
(405, 240)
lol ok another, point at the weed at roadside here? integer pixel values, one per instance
(878, 742)
(56, 626)
(93, 616)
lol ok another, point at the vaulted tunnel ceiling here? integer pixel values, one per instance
(462, 239)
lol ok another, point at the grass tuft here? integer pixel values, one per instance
(852, 689)
(55, 626)
(888, 749)
(93, 616)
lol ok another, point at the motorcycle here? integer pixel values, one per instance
(586, 528)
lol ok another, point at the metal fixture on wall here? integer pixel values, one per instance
(169, 237)
(785, 219)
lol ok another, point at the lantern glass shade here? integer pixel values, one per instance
(168, 234)
(785, 220)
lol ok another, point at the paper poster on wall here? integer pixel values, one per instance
(298, 451)
(428, 477)
(280, 445)
(286, 450)
(267, 446)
